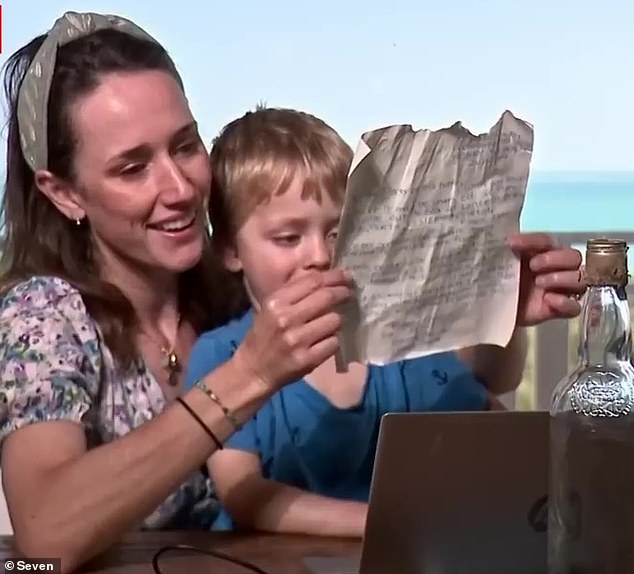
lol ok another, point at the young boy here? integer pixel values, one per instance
(304, 462)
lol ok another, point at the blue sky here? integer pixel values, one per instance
(565, 66)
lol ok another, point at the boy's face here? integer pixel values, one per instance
(283, 239)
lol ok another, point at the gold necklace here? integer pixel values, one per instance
(171, 362)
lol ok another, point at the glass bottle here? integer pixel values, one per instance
(591, 502)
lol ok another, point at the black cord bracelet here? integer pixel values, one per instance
(200, 422)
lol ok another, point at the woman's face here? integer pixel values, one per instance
(142, 174)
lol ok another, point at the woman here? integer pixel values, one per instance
(107, 281)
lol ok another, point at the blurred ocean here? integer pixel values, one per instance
(594, 202)
(580, 201)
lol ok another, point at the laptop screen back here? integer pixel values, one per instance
(459, 492)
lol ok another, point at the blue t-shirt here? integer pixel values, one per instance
(304, 441)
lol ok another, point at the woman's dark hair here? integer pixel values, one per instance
(39, 240)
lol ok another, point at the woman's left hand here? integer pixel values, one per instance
(550, 279)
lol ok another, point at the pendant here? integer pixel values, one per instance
(172, 378)
(170, 362)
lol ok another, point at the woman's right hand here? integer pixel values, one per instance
(296, 328)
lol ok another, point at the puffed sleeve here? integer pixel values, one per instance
(49, 356)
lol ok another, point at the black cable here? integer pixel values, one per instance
(212, 553)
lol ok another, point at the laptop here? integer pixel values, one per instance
(455, 493)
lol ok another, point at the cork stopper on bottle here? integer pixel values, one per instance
(606, 262)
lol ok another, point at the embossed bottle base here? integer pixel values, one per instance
(593, 499)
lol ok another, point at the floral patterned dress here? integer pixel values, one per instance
(54, 365)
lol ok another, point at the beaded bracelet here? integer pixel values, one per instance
(200, 422)
(230, 416)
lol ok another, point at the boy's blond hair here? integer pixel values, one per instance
(259, 155)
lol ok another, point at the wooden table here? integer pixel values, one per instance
(275, 554)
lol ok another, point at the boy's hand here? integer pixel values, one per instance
(296, 328)
(550, 279)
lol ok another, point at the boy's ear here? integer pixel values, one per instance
(231, 259)
(61, 194)
(228, 252)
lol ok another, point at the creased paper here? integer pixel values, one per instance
(424, 231)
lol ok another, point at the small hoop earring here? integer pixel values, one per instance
(210, 227)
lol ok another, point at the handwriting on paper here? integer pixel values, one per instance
(424, 232)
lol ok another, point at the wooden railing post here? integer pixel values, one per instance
(551, 358)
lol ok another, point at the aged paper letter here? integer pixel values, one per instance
(424, 231)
